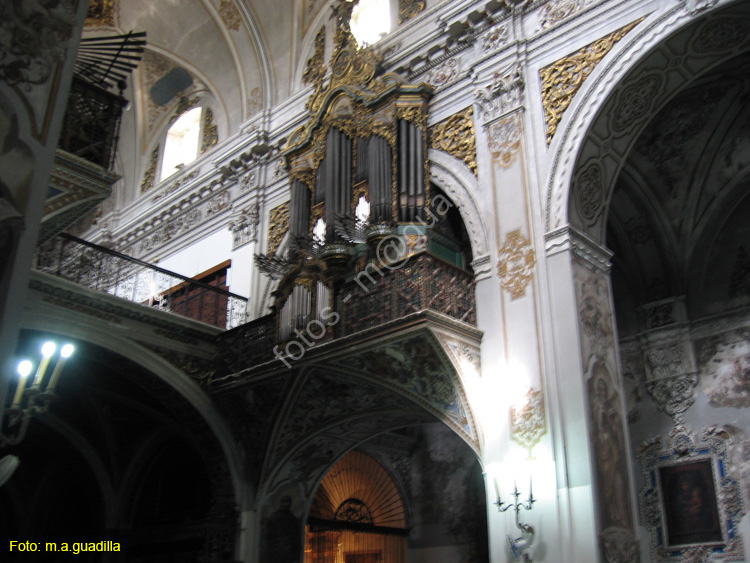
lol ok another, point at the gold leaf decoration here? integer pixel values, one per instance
(456, 136)
(316, 68)
(150, 175)
(528, 422)
(101, 13)
(562, 79)
(278, 226)
(210, 131)
(407, 9)
(517, 261)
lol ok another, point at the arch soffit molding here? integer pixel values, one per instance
(637, 62)
(189, 390)
(457, 181)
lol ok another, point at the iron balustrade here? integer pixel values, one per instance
(92, 123)
(103, 269)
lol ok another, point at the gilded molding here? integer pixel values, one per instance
(456, 136)
(562, 79)
(277, 226)
(407, 9)
(150, 176)
(517, 261)
(210, 131)
(229, 14)
(101, 13)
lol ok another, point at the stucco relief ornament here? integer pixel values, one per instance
(517, 261)
(33, 35)
(674, 395)
(589, 192)
(504, 94)
(528, 423)
(504, 139)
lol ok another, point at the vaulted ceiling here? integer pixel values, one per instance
(678, 216)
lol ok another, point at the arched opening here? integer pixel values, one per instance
(357, 515)
(120, 456)
(182, 142)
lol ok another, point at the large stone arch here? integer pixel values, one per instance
(96, 332)
(650, 65)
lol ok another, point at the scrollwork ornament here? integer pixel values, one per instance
(504, 139)
(517, 261)
(230, 14)
(674, 395)
(556, 11)
(33, 39)
(456, 136)
(589, 192)
(504, 94)
(407, 9)
(562, 79)
(528, 423)
(278, 226)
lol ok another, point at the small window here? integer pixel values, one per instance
(371, 20)
(183, 141)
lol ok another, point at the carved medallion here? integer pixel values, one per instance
(517, 260)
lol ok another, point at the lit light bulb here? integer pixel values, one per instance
(67, 350)
(48, 348)
(24, 368)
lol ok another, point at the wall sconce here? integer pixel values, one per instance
(520, 546)
(16, 418)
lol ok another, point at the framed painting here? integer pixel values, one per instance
(692, 500)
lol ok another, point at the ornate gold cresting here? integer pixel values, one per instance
(563, 78)
(277, 226)
(315, 69)
(101, 13)
(210, 131)
(456, 136)
(517, 261)
(150, 176)
(407, 9)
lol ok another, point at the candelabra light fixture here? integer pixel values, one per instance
(39, 395)
(520, 546)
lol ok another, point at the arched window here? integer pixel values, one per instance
(371, 19)
(182, 143)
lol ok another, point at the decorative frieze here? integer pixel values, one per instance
(494, 38)
(443, 74)
(244, 226)
(562, 79)
(556, 11)
(455, 135)
(516, 266)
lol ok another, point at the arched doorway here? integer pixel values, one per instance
(642, 179)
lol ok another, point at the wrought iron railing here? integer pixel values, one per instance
(92, 123)
(366, 301)
(424, 282)
(102, 269)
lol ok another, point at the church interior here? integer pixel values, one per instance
(375, 281)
